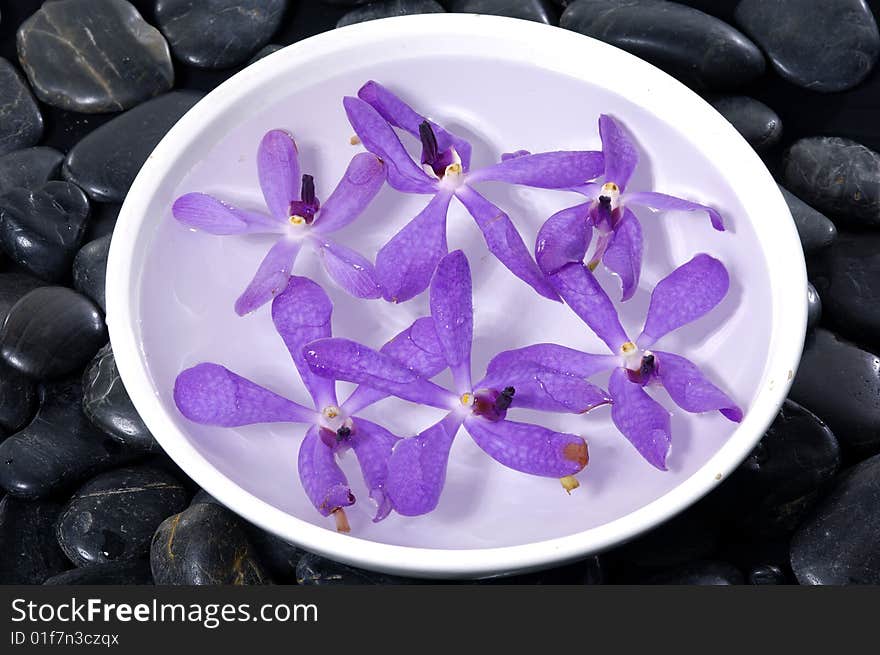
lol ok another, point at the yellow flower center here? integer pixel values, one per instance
(330, 412)
(453, 169)
(628, 348)
(467, 399)
(610, 187)
(296, 219)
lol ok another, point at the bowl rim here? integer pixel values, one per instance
(539, 45)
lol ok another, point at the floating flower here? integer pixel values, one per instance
(417, 467)
(685, 295)
(406, 263)
(297, 217)
(565, 236)
(210, 394)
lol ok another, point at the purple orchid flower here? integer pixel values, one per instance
(297, 217)
(685, 295)
(565, 236)
(210, 394)
(406, 263)
(417, 467)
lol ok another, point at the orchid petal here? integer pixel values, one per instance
(544, 170)
(301, 314)
(406, 263)
(208, 214)
(361, 182)
(529, 448)
(623, 255)
(372, 445)
(641, 419)
(379, 138)
(279, 172)
(662, 202)
(621, 156)
(552, 357)
(323, 480)
(211, 394)
(453, 313)
(342, 359)
(537, 387)
(564, 238)
(417, 348)
(401, 115)
(349, 269)
(580, 290)
(683, 296)
(504, 241)
(690, 389)
(417, 468)
(271, 277)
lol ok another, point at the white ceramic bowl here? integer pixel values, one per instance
(507, 84)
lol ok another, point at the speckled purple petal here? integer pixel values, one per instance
(372, 446)
(683, 296)
(208, 214)
(690, 389)
(529, 448)
(321, 477)
(399, 114)
(301, 314)
(211, 394)
(417, 468)
(349, 269)
(279, 172)
(552, 357)
(361, 182)
(379, 138)
(662, 202)
(342, 359)
(623, 255)
(621, 156)
(407, 262)
(640, 418)
(504, 241)
(564, 238)
(271, 277)
(417, 348)
(452, 310)
(579, 289)
(544, 170)
(537, 387)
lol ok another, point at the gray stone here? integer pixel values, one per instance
(218, 33)
(758, 124)
(21, 123)
(93, 57)
(389, 9)
(28, 551)
(540, 11)
(90, 269)
(29, 169)
(815, 230)
(698, 49)
(822, 46)
(105, 163)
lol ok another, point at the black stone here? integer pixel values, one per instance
(204, 545)
(106, 403)
(840, 383)
(21, 124)
(90, 269)
(18, 399)
(839, 544)
(93, 57)
(836, 176)
(814, 307)
(203, 496)
(389, 9)
(29, 552)
(277, 556)
(705, 573)
(698, 49)
(848, 277)
(42, 230)
(29, 169)
(540, 11)
(590, 571)
(822, 46)
(51, 332)
(758, 124)
(265, 51)
(316, 570)
(106, 161)
(767, 574)
(135, 572)
(59, 448)
(218, 33)
(102, 221)
(113, 516)
(815, 230)
(12, 287)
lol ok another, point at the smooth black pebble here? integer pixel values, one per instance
(18, 399)
(389, 9)
(703, 573)
(29, 553)
(816, 231)
(29, 168)
(21, 123)
(319, 571)
(90, 269)
(814, 307)
(136, 572)
(540, 11)
(758, 124)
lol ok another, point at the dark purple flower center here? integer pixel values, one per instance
(431, 155)
(604, 215)
(492, 404)
(333, 439)
(646, 371)
(308, 205)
